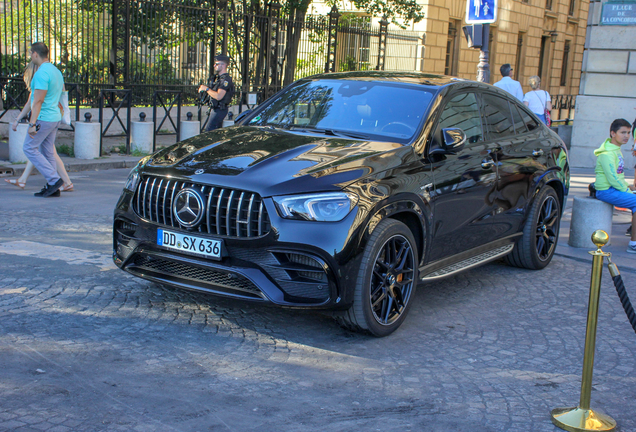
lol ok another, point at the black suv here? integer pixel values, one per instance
(343, 191)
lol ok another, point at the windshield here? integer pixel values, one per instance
(355, 109)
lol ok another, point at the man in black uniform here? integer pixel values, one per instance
(221, 93)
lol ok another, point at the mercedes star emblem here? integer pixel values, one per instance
(199, 171)
(188, 207)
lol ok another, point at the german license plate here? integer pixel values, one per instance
(186, 243)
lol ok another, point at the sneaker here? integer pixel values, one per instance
(631, 249)
(628, 233)
(50, 190)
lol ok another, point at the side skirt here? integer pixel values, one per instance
(441, 270)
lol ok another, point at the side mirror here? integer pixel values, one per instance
(241, 116)
(454, 140)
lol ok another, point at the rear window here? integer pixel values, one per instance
(497, 116)
(388, 110)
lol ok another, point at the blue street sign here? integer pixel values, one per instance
(481, 11)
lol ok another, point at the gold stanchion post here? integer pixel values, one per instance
(582, 418)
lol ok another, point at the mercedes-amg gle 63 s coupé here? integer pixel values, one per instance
(343, 191)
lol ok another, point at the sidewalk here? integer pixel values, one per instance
(579, 180)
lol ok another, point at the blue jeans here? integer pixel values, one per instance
(618, 198)
(541, 117)
(215, 120)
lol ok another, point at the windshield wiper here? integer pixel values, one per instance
(331, 132)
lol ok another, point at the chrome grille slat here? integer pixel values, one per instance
(260, 219)
(152, 188)
(218, 212)
(144, 198)
(165, 194)
(244, 212)
(157, 202)
(207, 212)
(174, 189)
(238, 214)
(249, 216)
(228, 222)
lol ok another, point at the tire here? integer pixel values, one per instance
(390, 264)
(536, 247)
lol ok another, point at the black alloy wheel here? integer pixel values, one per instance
(547, 228)
(386, 281)
(536, 247)
(392, 280)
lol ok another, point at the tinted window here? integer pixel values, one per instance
(370, 108)
(520, 125)
(462, 111)
(497, 116)
(527, 119)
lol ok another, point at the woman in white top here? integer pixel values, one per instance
(537, 100)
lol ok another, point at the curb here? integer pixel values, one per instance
(73, 166)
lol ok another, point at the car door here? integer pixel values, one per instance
(518, 159)
(462, 181)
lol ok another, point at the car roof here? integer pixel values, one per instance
(391, 76)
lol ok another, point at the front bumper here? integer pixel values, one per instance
(299, 273)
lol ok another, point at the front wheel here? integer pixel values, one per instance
(540, 235)
(386, 281)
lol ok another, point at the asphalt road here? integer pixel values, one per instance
(86, 347)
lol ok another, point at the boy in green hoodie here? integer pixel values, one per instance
(610, 183)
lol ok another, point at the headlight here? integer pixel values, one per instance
(323, 207)
(133, 178)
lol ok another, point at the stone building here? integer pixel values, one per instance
(608, 80)
(537, 37)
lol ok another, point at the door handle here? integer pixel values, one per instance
(537, 152)
(487, 163)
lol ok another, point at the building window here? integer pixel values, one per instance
(564, 66)
(572, 5)
(518, 59)
(548, 4)
(543, 60)
(452, 45)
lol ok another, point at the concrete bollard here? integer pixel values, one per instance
(589, 215)
(16, 143)
(189, 127)
(229, 121)
(141, 135)
(87, 136)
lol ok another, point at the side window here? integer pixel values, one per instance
(497, 116)
(527, 119)
(520, 125)
(462, 111)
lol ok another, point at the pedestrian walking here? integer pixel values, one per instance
(539, 101)
(61, 170)
(508, 84)
(220, 93)
(39, 146)
(610, 183)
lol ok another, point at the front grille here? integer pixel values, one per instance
(228, 212)
(185, 271)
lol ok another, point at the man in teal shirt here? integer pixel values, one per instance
(39, 146)
(610, 183)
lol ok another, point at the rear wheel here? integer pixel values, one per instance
(386, 281)
(540, 235)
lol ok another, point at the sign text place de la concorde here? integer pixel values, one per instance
(618, 13)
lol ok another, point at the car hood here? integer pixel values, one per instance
(274, 161)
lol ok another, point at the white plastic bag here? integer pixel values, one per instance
(66, 115)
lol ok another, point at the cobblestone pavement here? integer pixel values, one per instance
(85, 347)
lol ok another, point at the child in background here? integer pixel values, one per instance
(610, 183)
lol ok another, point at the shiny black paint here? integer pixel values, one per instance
(452, 204)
